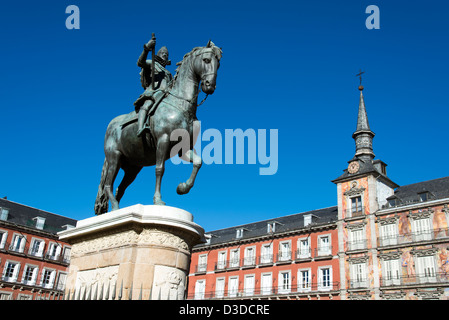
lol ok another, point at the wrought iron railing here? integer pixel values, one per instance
(415, 279)
(265, 292)
(429, 235)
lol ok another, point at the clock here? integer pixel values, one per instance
(353, 167)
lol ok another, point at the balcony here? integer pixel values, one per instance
(268, 292)
(284, 257)
(430, 235)
(432, 278)
(358, 283)
(355, 212)
(63, 259)
(323, 252)
(357, 245)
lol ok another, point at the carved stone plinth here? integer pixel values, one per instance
(138, 252)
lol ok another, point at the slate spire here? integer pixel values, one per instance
(363, 135)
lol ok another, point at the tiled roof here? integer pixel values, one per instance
(23, 215)
(282, 225)
(437, 188)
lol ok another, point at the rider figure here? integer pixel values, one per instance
(162, 77)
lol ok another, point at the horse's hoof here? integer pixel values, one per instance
(159, 202)
(182, 188)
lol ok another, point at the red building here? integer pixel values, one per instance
(33, 262)
(381, 242)
(290, 257)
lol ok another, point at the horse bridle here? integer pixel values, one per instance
(202, 78)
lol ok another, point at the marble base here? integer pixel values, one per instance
(138, 252)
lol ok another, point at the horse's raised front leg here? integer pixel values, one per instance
(162, 150)
(193, 157)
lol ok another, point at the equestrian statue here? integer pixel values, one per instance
(168, 104)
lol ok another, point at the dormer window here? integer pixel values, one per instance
(40, 222)
(393, 202)
(307, 219)
(424, 196)
(4, 212)
(239, 233)
(271, 227)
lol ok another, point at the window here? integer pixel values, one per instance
(221, 262)
(389, 233)
(11, 271)
(391, 273)
(54, 250)
(233, 286)
(284, 282)
(250, 256)
(267, 253)
(356, 205)
(424, 196)
(234, 258)
(324, 246)
(304, 280)
(48, 278)
(67, 251)
(5, 296)
(267, 282)
(284, 251)
(239, 233)
(425, 266)
(3, 236)
(40, 222)
(357, 239)
(60, 284)
(303, 248)
(220, 288)
(37, 247)
(271, 227)
(18, 243)
(324, 278)
(249, 285)
(307, 219)
(200, 289)
(30, 275)
(202, 263)
(358, 275)
(422, 229)
(4, 212)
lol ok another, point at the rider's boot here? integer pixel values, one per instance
(142, 116)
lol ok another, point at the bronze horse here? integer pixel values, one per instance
(177, 111)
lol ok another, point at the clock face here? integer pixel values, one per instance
(353, 167)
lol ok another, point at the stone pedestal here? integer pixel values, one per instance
(138, 252)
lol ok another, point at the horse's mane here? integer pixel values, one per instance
(215, 50)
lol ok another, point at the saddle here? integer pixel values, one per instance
(157, 97)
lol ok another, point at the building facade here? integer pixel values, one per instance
(290, 257)
(384, 241)
(33, 261)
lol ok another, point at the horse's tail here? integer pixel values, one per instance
(102, 201)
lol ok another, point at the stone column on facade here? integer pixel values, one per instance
(138, 252)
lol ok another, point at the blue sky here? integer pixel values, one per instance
(287, 65)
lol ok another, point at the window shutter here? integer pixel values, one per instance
(34, 276)
(16, 272)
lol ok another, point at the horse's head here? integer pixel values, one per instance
(205, 66)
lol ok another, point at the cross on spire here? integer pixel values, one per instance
(360, 76)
